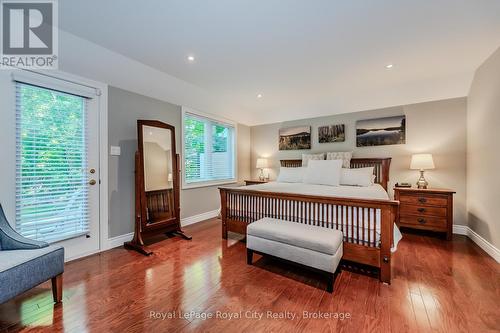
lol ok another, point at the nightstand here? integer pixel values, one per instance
(425, 209)
(255, 182)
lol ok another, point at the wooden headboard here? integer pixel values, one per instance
(381, 167)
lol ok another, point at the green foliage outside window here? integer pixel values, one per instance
(51, 152)
(219, 142)
(194, 137)
(205, 143)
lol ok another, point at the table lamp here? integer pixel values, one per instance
(421, 162)
(261, 164)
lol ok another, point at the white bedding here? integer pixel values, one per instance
(375, 191)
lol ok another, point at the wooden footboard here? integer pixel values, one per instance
(367, 225)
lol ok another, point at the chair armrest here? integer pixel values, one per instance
(11, 240)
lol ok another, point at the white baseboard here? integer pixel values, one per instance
(119, 240)
(198, 218)
(480, 241)
(460, 229)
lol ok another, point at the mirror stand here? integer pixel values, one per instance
(157, 190)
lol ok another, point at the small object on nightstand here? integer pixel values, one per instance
(261, 164)
(425, 209)
(255, 181)
(404, 185)
(422, 162)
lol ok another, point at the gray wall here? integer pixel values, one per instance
(124, 109)
(483, 158)
(435, 127)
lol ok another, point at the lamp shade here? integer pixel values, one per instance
(422, 162)
(261, 163)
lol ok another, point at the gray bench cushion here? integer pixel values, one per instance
(297, 234)
(21, 270)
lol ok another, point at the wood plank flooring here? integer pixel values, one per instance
(437, 286)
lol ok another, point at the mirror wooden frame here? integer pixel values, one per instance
(143, 229)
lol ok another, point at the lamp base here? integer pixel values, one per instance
(261, 176)
(422, 183)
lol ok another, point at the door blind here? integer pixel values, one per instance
(209, 150)
(51, 164)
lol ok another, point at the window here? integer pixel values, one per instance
(209, 151)
(51, 163)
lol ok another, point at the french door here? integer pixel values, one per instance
(56, 162)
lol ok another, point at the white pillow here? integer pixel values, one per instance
(291, 175)
(323, 172)
(357, 177)
(345, 156)
(307, 157)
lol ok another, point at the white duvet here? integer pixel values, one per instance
(375, 191)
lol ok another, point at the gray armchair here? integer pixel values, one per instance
(25, 263)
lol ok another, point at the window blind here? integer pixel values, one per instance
(209, 151)
(51, 164)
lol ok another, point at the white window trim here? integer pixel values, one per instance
(233, 180)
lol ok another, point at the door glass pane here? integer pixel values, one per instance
(51, 164)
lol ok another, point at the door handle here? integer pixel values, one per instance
(92, 182)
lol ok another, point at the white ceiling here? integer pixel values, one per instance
(307, 58)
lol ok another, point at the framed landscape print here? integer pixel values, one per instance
(381, 131)
(331, 133)
(294, 138)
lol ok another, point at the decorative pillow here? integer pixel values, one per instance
(323, 172)
(291, 175)
(307, 157)
(345, 156)
(357, 177)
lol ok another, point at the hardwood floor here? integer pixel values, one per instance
(437, 286)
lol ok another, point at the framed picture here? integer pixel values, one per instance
(294, 138)
(331, 133)
(381, 131)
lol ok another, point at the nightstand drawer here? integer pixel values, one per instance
(423, 221)
(428, 200)
(423, 210)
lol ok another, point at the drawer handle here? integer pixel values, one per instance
(421, 210)
(421, 220)
(422, 200)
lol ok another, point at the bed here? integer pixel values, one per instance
(365, 215)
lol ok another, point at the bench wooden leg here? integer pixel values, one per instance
(331, 281)
(57, 288)
(249, 256)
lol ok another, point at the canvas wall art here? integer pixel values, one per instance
(331, 133)
(294, 138)
(381, 131)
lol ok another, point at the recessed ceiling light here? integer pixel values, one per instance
(259, 95)
(190, 58)
(389, 66)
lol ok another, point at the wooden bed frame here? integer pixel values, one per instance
(322, 211)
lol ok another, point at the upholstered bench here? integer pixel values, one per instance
(315, 247)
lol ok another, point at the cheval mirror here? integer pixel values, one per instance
(157, 197)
